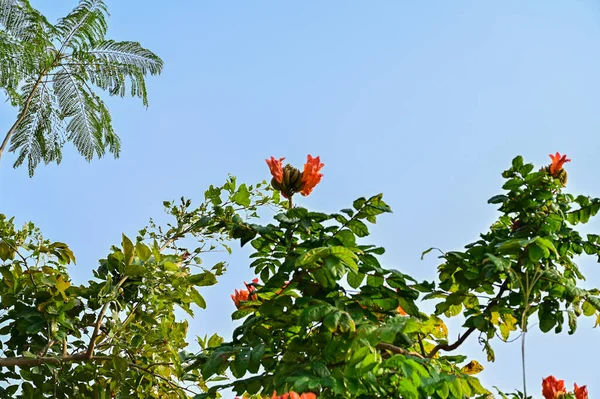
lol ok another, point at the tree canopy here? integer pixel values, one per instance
(49, 72)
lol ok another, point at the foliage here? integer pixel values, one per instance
(323, 317)
(47, 70)
(316, 335)
(525, 263)
(307, 331)
(117, 335)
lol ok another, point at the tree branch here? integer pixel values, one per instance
(37, 361)
(462, 339)
(90, 351)
(398, 350)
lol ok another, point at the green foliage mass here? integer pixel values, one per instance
(325, 317)
(116, 335)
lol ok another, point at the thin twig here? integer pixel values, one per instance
(90, 351)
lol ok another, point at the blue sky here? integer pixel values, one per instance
(426, 102)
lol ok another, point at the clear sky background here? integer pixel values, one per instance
(426, 102)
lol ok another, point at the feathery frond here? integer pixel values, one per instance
(86, 23)
(35, 136)
(24, 22)
(77, 104)
(109, 64)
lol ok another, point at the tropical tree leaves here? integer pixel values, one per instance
(49, 71)
(86, 23)
(36, 138)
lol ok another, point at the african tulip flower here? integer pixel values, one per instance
(581, 392)
(289, 180)
(557, 163)
(311, 176)
(239, 296)
(244, 295)
(551, 387)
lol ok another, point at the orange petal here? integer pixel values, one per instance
(311, 176)
(276, 168)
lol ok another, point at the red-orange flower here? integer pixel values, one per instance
(239, 296)
(244, 295)
(581, 392)
(276, 168)
(294, 395)
(311, 176)
(401, 311)
(557, 163)
(552, 387)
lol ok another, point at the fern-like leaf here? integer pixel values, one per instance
(31, 137)
(111, 64)
(85, 24)
(89, 125)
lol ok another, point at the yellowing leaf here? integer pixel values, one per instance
(473, 367)
(440, 330)
(495, 318)
(61, 286)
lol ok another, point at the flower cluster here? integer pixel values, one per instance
(555, 169)
(557, 163)
(555, 389)
(244, 295)
(289, 180)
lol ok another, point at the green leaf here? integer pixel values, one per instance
(517, 162)
(572, 321)
(501, 263)
(455, 388)
(358, 227)
(197, 298)
(359, 203)
(170, 266)
(6, 252)
(314, 313)
(239, 366)
(312, 256)
(128, 250)
(442, 391)
(332, 320)
(536, 253)
(242, 196)
(588, 309)
(217, 360)
(547, 320)
(143, 251)
(513, 184)
(134, 270)
(374, 281)
(202, 279)
(346, 323)
(355, 279)
(256, 357)
(498, 199)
